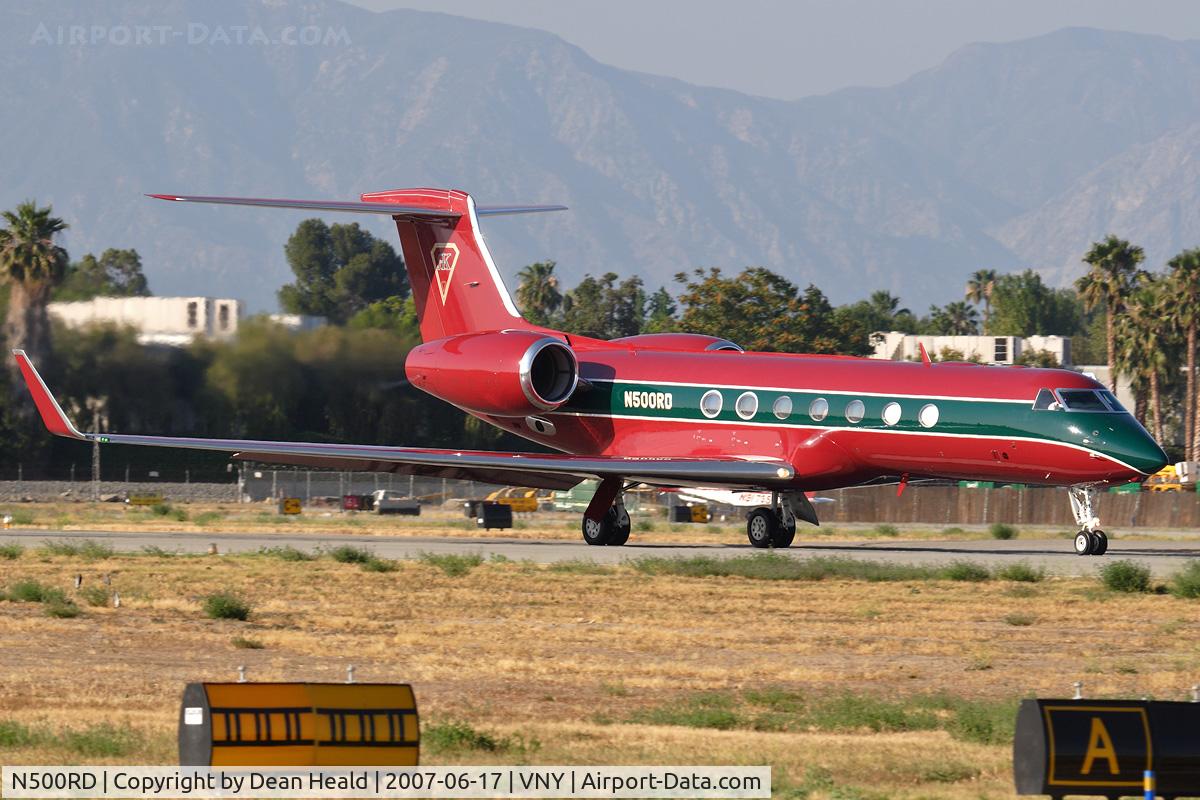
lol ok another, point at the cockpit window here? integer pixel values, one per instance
(1045, 401)
(1082, 400)
(1113, 402)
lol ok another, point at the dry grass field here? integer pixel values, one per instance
(902, 687)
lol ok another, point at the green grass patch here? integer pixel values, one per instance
(1021, 572)
(1001, 531)
(97, 741)
(581, 566)
(22, 517)
(776, 709)
(14, 735)
(30, 591)
(288, 553)
(966, 571)
(770, 566)
(346, 554)
(225, 605)
(11, 552)
(460, 737)
(62, 609)
(208, 517)
(94, 596)
(242, 643)
(155, 551)
(1125, 576)
(169, 511)
(1186, 582)
(379, 565)
(453, 564)
(886, 529)
(85, 549)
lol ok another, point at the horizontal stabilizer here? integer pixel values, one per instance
(390, 209)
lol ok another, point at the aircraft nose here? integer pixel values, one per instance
(1144, 454)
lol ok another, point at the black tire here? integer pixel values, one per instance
(1101, 543)
(1083, 543)
(597, 533)
(762, 527)
(784, 534)
(620, 527)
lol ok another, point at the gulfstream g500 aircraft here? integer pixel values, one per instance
(692, 410)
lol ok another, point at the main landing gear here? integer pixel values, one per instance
(776, 526)
(1090, 541)
(606, 522)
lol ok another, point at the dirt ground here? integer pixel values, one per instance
(570, 664)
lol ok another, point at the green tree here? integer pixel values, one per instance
(32, 265)
(604, 309)
(979, 290)
(881, 312)
(116, 273)
(763, 311)
(955, 319)
(1022, 305)
(1112, 275)
(660, 312)
(395, 314)
(1184, 311)
(537, 292)
(1142, 347)
(340, 270)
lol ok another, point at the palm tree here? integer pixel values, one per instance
(1185, 312)
(32, 264)
(1112, 276)
(538, 292)
(979, 290)
(961, 319)
(1142, 345)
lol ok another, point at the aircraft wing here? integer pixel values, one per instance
(548, 471)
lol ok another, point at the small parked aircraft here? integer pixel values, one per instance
(688, 410)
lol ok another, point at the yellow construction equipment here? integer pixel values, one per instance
(1165, 480)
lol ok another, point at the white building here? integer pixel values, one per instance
(297, 323)
(158, 320)
(988, 349)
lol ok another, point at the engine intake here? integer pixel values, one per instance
(502, 373)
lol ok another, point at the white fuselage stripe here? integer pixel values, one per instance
(799, 389)
(891, 431)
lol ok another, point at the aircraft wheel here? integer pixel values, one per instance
(1083, 543)
(784, 534)
(762, 527)
(596, 533)
(619, 532)
(1099, 543)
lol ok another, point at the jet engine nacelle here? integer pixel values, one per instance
(501, 373)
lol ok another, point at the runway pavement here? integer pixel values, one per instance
(1055, 555)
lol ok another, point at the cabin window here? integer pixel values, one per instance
(1046, 401)
(891, 413)
(710, 404)
(1001, 349)
(818, 409)
(783, 407)
(855, 411)
(746, 405)
(193, 309)
(1082, 400)
(928, 415)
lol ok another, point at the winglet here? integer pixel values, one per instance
(924, 355)
(52, 414)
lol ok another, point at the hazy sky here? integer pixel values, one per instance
(791, 49)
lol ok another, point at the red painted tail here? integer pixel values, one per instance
(455, 283)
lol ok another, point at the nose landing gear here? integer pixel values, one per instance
(1090, 541)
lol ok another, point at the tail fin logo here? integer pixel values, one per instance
(445, 256)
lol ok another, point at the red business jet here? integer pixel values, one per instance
(686, 410)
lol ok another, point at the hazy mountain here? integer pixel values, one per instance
(1004, 156)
